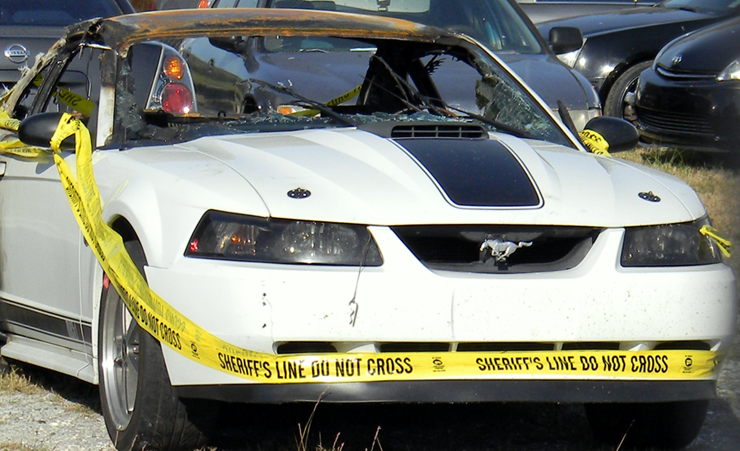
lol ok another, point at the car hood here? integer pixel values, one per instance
(625, 19)
(709, 50)
(549, 78)
(353, 176)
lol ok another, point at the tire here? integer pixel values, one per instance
(671, 425)
(140, 407)
(621, 95)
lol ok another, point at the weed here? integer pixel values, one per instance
(15, 381)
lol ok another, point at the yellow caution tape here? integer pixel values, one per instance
(595, 142)
(724, 245)
(179, 333)
(78, 103)
(7, 122)
(333, 102)
(16, 147)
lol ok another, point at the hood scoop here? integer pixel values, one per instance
(426, 130)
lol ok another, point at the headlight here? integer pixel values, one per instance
(230, 236)
(669, 245)
(731, 72)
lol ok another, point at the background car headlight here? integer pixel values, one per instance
(570, 58)
(731, 72)
(669, 245)
(230, 236)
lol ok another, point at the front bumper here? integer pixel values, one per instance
(694, 114)
(459, 391)
(403, 303)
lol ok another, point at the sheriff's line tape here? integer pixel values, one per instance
(594, 142)
(78, 103)
(179, 333)
(725, 246)
(333, 102)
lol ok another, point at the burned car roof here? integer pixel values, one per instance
(122, 31)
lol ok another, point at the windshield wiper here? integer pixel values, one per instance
(425, 102)
(446, 110)
(313, 103)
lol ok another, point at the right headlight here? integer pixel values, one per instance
(229, 236)
(669, 245)
(731, 72)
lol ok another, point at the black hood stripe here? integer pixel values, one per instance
(474, 172)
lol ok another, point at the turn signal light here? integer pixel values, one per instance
(174, 68)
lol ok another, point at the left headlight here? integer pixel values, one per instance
(669, 245)
(230, 236)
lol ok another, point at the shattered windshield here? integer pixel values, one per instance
(166, 95)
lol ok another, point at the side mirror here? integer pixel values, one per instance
(37, 130)
(565, 39)
(620, 134)
(233, 44)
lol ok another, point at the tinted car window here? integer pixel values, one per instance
(52, 12)
(722, 6)
(495, 23)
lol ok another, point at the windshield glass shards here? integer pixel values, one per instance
(163, 95)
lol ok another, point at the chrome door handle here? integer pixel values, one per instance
(2, 168)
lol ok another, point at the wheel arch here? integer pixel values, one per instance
(620, 69)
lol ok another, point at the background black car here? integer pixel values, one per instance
(30, 27)
(690, 98)
(542, 10)
(498, 24)
(620, 45)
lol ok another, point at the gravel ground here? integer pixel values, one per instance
(65, 416)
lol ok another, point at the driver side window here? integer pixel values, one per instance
(77, 88)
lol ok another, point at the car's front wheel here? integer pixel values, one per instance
(140, 407)
(621, 98)
(670, 425)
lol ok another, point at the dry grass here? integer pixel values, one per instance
(20, 447)
(15, 381)
(716, 181)
(76, 396)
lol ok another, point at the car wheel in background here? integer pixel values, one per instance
(140, 407)
(620, 99)
(670, 425)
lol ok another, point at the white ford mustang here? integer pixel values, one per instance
(408, 223)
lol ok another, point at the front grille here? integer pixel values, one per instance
(685, 75)
(438, 131)
(471, 248)
(676, 122)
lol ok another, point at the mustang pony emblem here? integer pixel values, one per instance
(500, 250)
